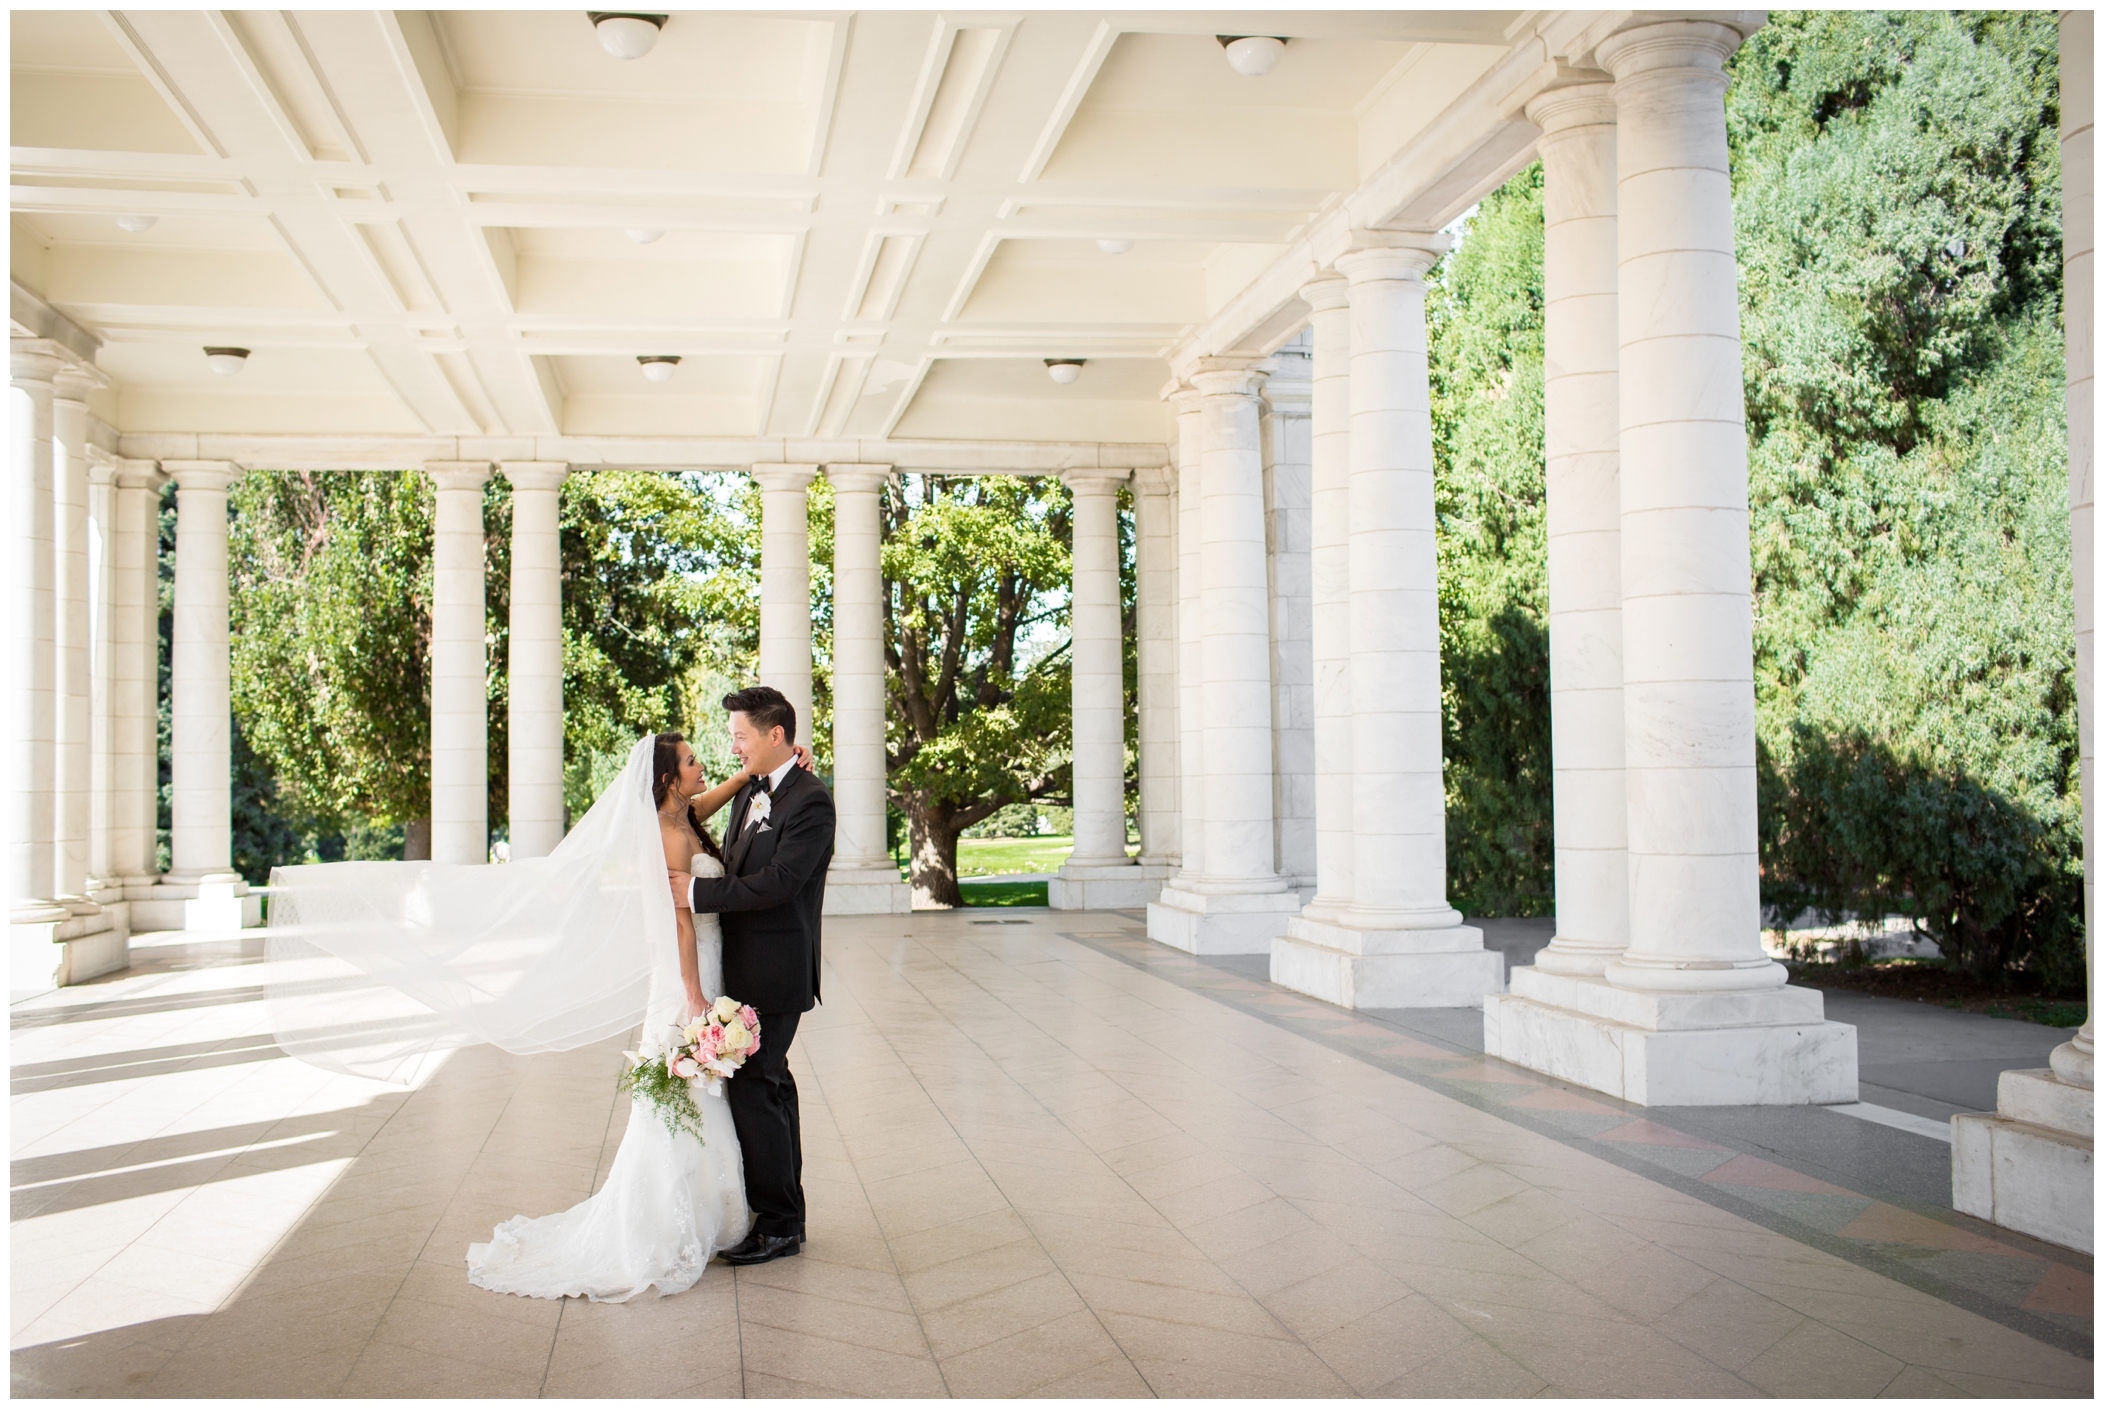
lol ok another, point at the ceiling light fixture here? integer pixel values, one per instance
(1114, 246)
(646, 237)
(1252, 55)
(624, 34)
(658, 369)
(226, 361)
(1065, 369)
(136, 224)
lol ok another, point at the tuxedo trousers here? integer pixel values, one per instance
(763, 1106)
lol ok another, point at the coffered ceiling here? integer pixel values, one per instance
(872, 223)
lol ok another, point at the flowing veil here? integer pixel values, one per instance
(372, 966)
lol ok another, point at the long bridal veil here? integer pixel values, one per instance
(372, 966)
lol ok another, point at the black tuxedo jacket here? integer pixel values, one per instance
(771, 895)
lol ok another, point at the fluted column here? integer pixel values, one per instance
(1330, 567)
(135, 676)
(1154, 564)
(1237, 903)
(1687, 576)
(1190, 652)
(201, 683)
(863, 879)
(459, 666)
(785, 584)
(1098, 875)
(1396, 942)
(534, 716)
(73, 780)
(1583, 439)
(1692, 1012)
(32, 658)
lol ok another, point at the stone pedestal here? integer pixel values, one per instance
(1766, 1047)
(2031, 1165)
(1416, 968)
(220, 901)
(1219, 923)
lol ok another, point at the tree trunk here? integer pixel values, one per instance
(416, 839)
(932, 831)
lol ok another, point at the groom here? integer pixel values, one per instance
(776, 847)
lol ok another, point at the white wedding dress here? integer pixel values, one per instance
(669, 1202)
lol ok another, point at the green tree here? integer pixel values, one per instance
(1483, 308)
(975, 573)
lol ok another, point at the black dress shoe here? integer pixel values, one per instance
(763, 1247)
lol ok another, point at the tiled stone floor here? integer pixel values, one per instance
(1037, 1165)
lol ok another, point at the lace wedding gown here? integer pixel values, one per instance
(669, 1202)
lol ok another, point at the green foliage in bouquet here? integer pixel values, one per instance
(651, 1081)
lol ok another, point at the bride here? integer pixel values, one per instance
(373, 966)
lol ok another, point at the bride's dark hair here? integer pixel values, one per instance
(664, 767)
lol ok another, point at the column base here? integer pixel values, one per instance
(1355, 968)
(212, 903)
(876, 891)
(2030, 1166)
(1106, 887)
(1768, 1047)
(1199, 923)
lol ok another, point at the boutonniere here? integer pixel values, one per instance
(762, 809)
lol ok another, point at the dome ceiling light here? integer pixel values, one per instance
(658, 369)
(646, 237)
(626, 35)
(226, 361)
(136, 224)
(1065, 369)
(1252, 55)
(1114, 246)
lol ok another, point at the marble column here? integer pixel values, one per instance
(1288, 512)
(135, 680)
(1154, 566)
(102, 629)
(1098, 875)
(1190, 644)
(785, 584)
(1237, 904)
(863, 879)
(2031, 1165)
(1397, 943)
(1329, 556)
(200, 708)
(1583, 437)
(459, 666)
(73, 755)
(534, 719)
(32, 672)
(1693, 1012)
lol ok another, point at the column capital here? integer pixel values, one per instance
(202, 474)
(784, 477)
(1154, 480)
(1183, 398)
(35, 360)
(1326, 294)
(852, 479)
(1230, 376)
(1093, 479)
(1700, 45)
(535, 474)
(103, 467)
(1375, 256)
(1590, 103)
(76, 379)
(458, 474)
(139, 474)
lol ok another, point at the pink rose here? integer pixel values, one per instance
(750, 1018)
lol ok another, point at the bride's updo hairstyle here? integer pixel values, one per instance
(664, 768)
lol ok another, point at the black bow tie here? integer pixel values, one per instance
(762, 784)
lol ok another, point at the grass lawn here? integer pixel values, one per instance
(979, 893)
(994, 856)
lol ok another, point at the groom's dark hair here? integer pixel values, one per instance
(767, 708)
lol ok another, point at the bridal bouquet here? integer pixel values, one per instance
(702, 1053)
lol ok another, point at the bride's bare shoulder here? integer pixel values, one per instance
(679, 845)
